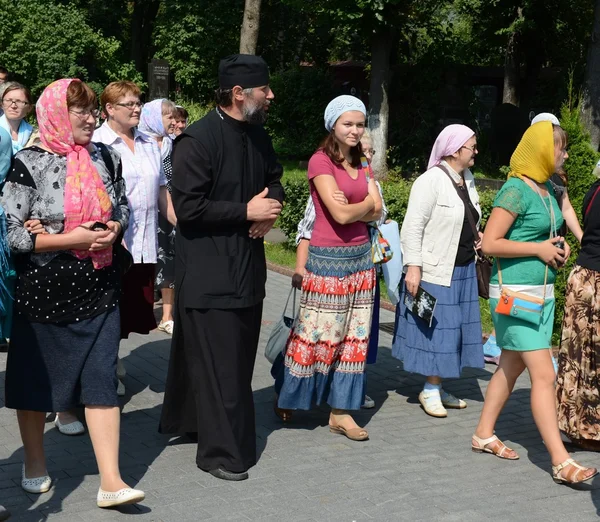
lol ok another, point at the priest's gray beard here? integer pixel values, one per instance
(253, 112)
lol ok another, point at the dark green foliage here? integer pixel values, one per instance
(41, 41)
(296, 116)
(395, 194)
(296, 195)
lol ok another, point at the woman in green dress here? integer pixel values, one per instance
(522, 234)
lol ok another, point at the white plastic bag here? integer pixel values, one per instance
(392, 270)
(281, 330)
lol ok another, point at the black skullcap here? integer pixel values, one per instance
(245, 70)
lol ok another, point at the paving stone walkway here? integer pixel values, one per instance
(414, 467)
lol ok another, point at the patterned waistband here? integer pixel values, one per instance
(339, 261)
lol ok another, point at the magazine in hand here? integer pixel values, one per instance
(422, 305)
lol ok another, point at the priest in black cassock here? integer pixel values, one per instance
(227, 194)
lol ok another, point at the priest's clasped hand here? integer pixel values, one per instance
(262, 208)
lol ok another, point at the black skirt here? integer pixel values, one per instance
(165, 262)
(55, 367)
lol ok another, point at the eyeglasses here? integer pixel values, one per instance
(472, 149)
(86, 114)
(369, 151)
(131, 105)
(18, 103)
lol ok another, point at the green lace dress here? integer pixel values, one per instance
(532, 224)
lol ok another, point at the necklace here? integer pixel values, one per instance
(550, 210)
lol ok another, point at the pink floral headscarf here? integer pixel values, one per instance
(452, 138)
(86, 198)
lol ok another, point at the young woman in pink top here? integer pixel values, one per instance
(327, 348)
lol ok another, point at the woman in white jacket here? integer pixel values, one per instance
(438, 244)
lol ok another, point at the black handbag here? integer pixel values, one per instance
(483, 264)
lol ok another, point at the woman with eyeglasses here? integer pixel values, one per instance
(439, 240)
(16, 104)
(65, 337)
(146, 185)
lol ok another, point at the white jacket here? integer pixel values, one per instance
(433, 223)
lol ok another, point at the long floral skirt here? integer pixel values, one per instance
(578, 380)
(327, 348)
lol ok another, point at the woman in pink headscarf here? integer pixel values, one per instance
(65, 340)
(439, 237)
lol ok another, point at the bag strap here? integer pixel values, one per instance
(500, 278)
(108, 161)
(365, 165)
(591, 201)
(463, 198)
(292, 291)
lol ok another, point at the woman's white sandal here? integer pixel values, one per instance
(483, 443)
(568, 477)
(166, 326)
(122, 497)
(71, 428)
(35, 485)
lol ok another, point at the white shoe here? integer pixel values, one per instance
(72, 428)
(368, 404)
(122, 497)
(121, 389)
(166, 326)
(432, 404)
(121, 372)
(35, 485)
(450, 401)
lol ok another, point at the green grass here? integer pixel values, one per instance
(292, 171)
(282, 255)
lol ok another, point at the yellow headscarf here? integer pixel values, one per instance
(534, 155)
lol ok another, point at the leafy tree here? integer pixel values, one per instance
(193, 37)
(590, 109)
(250, 27)
(41, 41)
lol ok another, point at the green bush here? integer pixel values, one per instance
(296, 195)
(195, 110)
(395, 194)
(296, 116)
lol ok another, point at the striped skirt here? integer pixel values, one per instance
(453, 341)
(327, 348)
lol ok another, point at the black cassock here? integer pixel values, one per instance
(219, 165)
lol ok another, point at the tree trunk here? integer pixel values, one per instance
(590, 107)
(512, 69)
(379, 108)
(142, 24)
(250, 26)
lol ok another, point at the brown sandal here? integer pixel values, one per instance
(283, 414)
(572, 473)
(494, 446)
(357, 434)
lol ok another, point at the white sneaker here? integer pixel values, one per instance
(119, 498)
(450, 401)
(368, 404)
(35, 485)
(72, 428)
(120, 389)
(432, 403)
